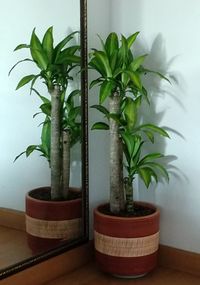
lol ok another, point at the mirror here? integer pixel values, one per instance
(19, 129)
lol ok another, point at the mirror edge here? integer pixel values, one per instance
(85, 181)
(84, 104)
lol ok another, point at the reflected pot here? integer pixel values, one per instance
(126, 246)
(51, 223)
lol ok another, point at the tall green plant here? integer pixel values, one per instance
(61, 127)
(120, 81)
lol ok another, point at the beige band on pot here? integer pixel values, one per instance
(126, 247)
(66, 229)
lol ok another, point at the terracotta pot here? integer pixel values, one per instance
(50, 223)
(126, 246)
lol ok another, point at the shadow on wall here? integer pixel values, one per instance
(159, 89)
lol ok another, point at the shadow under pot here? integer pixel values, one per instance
(51, 223)
(126, 246)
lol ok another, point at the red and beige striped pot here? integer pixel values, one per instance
(126, 246)
(50, 223)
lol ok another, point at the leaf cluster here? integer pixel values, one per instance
(55, 65)
(118, 68)
(121, 72)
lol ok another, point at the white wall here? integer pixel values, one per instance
(99, 21)
(169, 33)
(176, 23)
(18, 129)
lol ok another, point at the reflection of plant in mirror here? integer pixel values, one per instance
(120, 80)
(61, 127)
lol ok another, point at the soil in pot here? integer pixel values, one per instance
(139, 211)
(44, 194)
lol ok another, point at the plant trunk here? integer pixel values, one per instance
(128, 186)
(66, 162)
(115, 157)
(121, 187)
(55, 145)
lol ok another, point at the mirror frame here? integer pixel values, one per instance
(85, 182)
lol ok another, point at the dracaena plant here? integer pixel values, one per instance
(61, 126)
(120, 81)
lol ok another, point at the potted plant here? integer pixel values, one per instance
(126, 232)
(53, 214)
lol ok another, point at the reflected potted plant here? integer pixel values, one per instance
(53, 214)
(126, 232)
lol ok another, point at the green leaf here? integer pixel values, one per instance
(117, 72)
(100, 126)
(71, 50)
(161, 168)
(75, 135)
(73, 113)
(149, 135)
(111, 44)
(73, 94)
(62, 44)
(125, 78)
(114, 62)
(102, 43)
(19, 155)
(126, 140)
(130, 56)
(135, 78)
(114, 116)
(33, 82)
(105, 90)
(145, 174)
(101, 109)
(26, 59)
(131, 39)
(103, 62)
(98, 66)
(25, 80)
(36, 114)
(37, 52)
(137, 62)
(123, 51)
(22, 46)
(145, 94)
(155, 129)
(138, 101)
(144, 70)
(30, 149)
(68, 59)
(130, 112)
(95, 82)
(44, 99)
(132, 149)
(46, 136)
(47, 43)
(129, 142)
(150, 157)
(67, 56)
(46, 108)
